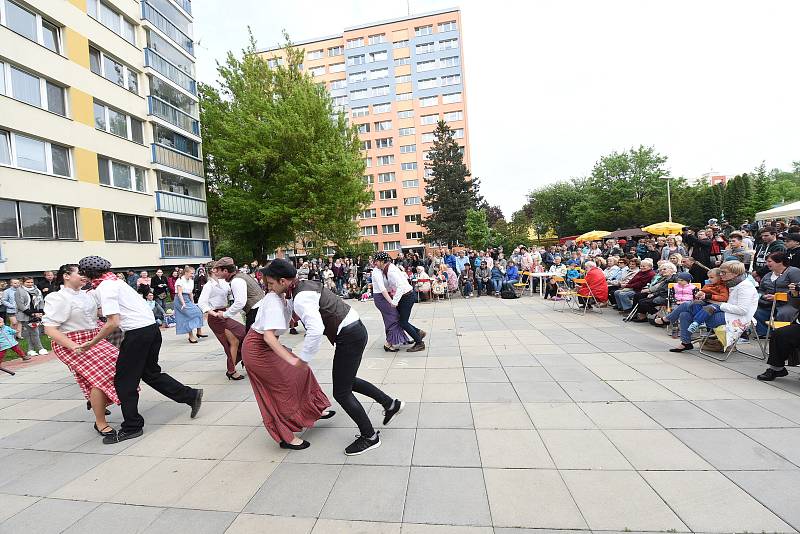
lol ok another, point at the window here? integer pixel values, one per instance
(390, 228)
(38, 221)
(128, 228)
(360, 112)
(335, 51)
(368, 179)
(368, 162)
(359, 94)
(174, 140)
(384, 107)
(34, 154)
(381, 90)
(388, 194)
(377, 39)
(405, 114)
(115, 122)
(425, 48)
(339, 102)
(385, 142)
(317, 71)
(382, 126)
(336, 67)
(111, 19)
(355, 43)
(453, 61)
(458, 133)
(454, 116)
(428, 137)
(370, 213)
(389, 212)
(453, 79)
(451, 98)
(403, 96)
(385, 160)
(391, 245)
(405, 78)
(429, 119)
(369, 230)
(356, 60)
(414, 235)
(358, 76)
(407, 149)
(112, 70)
(180, 185)
(402, 61)
(386, 177)
(338, 84)
(32, 89)
(407, 131)
(400, 44)
(412, 201)
(428, 83)
(408, 166)
(314, 54)
(447, 26)
(423, 66)
(448, 44)
(121, 175)
(381, 55)
(366, 145)
(421, 31)
(416, 218)
(31, 153)
(410, 183)
(377, 74)
(428, 101)
(33, 26)
(363, 128)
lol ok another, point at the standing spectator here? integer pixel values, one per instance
(171, 282)
(160, 286)
(29, 304)
(302, 272)
(48, 285)
(132, 278)
(670, 248)
(200, 280)
(143, 284)
(10, 303)
(701, 246)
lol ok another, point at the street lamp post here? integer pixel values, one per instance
(669, 198)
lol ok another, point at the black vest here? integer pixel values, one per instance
(332, 309)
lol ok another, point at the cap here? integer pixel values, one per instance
(793, 237)
(225, 261)
(94, 263)
(381, 256)
(684, 276)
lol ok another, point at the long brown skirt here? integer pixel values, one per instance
(289, 397)
(218, 326)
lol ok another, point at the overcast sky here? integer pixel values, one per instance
(553, 85)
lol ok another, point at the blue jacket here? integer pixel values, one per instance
(497, 274)
(451, 261)
(512, 273)
(9, 300)
(8, 338)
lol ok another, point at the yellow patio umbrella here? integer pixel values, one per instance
(592, 236)
(664, 228)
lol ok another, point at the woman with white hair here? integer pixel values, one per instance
(624, 297)
(656, 294)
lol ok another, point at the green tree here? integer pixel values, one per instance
(450, 192)
(762, 198)
(477, 229)
(550, 207)
(280, 162)
(493, 214)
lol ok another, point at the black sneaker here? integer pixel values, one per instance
(362, 445)
(121, 436)
(396, 408)
(198, 401)
(771, 374)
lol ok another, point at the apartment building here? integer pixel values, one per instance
(99, 134)
(395, 79)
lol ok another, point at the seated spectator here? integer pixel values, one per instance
(467, 281)
(556, 270)
(713, 293)
(784, 344)
(776, 280)
(596, 282)
(624, 296)
(497, 276)
(692, 266)
(612, 268)
(143, 284)
(483, 278)
(769, 244)
(656, 294)
(155, 307)
(452, 279)
(677, 261)
(614, 282)
(512, 274)
(683, 290)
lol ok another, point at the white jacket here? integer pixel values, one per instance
(742, 304)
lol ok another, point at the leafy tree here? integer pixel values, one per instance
(450, 192)
(477, 229)
(761, 198)
(493, 214)
(280, 162)
(550, 207)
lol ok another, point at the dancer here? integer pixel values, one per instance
(403, 299)
(138, 354)
(395, 335)
(288, 395)
(70, 319)
(188, 316)
(323, 313)
(230, 332)
(247, 294)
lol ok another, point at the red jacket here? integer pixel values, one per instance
(596, 280)
(640, 279)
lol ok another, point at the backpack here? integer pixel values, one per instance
(508, 293)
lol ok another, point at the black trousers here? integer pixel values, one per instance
(404, 310)
(249, 319)
(138, 361)
(350, 345)
(783, 345)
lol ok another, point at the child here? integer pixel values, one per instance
(714, 292)
(8, 340)
(684, 291)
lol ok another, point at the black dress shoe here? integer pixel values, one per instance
(121, 436)
(328, 414)
(105, 431)
(771, 374)
(304, 445)
(682, 348)
(198, 401)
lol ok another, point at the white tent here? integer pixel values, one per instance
(781, 212)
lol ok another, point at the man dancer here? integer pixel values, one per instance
(324, 313)
(247, 294)
(138, 354)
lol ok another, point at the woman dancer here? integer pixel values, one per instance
(188, 316)
(403, 299)
(285, 388)
(71, 320)
(230, 332)
(395, 335)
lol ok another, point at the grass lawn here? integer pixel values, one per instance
(11, 355)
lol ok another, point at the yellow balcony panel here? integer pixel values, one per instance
(402, 70)
(77, 46)
(80, 4)
(403, 88)
(91, 222)
(81, 106)
(86, 166)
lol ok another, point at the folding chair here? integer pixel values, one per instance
(568, 295)
(523, 283)
(588, 299)
(673, 327)
(733, 347)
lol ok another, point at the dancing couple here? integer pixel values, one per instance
(394, 297)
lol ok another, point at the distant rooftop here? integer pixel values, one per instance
(363, 26)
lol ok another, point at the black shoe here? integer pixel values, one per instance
(416, 347)
(422, 333)
(396, 408)
(198, 401)
(121, 436)
(202, 335)
(89, 407)
(328, 415)
(390, 349)
(304, 445)
(771, 374)
(362, 445)
(105, 431)
(682, 348)
(231, 377)
(293, 331)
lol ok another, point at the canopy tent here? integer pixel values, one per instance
(781, 212)
(630, 232)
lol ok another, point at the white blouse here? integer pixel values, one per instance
(273, 314)
(70, 310)
(214, 295)
(398, 281)
(187, 286)
(378, 281)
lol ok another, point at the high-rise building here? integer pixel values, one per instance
(395, 79)
(99, 134)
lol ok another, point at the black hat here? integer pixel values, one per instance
(382, 256)
(94, 264)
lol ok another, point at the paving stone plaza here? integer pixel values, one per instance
(520, 420)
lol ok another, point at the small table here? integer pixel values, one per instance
(541, 277)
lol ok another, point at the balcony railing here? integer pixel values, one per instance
(181, 247)
(173, 115)
(158, 63)
(181, 204)
(186, 5)
(165, 25)
(177, 160)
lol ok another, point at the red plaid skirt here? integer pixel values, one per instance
(94, 368)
